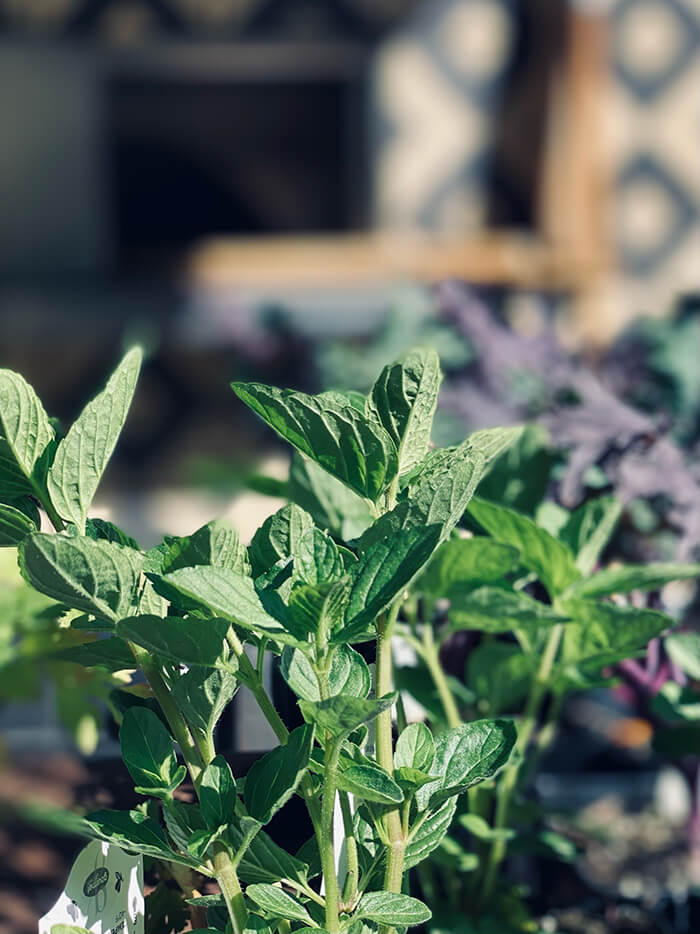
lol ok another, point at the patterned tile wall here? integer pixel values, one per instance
(437, 83)
(655, 127)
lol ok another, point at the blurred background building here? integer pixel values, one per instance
(546, 143)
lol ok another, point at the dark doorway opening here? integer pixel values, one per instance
(195, 159)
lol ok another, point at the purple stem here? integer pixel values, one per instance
(652, 656)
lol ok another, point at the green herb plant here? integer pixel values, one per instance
(546, 619)
(197, 616)
(549, 624)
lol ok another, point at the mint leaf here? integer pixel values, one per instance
(492, 442)
(588, 530)
(278, 537)
(229, 595)
(466, 755)
(383, 572)
(100, 529)
(550, 559)
(370, 783)
(82, 455)
(633, 577)
(15, 525)
(263, 860)
(429, 834)
(272, 780)
(393, 909)
(148, 753)
(217, 793)
(133, 831)
(111, 654)
(494, 609)
(26, 435)
(217, 543)
(188, 641)
(329, 430)
(318, 609)
(403, 401)
(203, 694)
(482, 830)
(415, 748)
(466, 560)
(443, 484)
(277, 903)
(684, 649)
(97, 577)
(332, 504)
(317, 559)
(603, 633)
(349, 674)
(341, 715)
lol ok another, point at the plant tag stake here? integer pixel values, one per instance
(103, 895)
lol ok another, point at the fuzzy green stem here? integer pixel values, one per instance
(385, 752)
(330, 878)
(43, 497)
(250, 677)
(224, 870)
(431, 658)
(351, 857)
(230, 888)
(181, 732)
(509, 778)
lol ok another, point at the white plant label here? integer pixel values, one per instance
(104, 893)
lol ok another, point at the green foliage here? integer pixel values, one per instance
(403, 401)
(134, 831)
(392, 908)
(82, 455)
(415, 748)
(217, 793)
(148, 753)
(276, 903)
(331, 504)
(279, 537)
(329, 430)
(192, 641)
(340, 715)
(217, 544)
(348, 674)
(97, 577)
(466, 561)
(495, 609)
(15, 524)
(369, 548)
(684, 649)
(605, 633)
(633, 577)
(272, 780)
(370, 783)
(26, 437)
(440, 488)
(547, 557)
(383, 572)
(465, 755)
(203, 694)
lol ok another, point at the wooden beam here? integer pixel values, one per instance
(499, 258)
